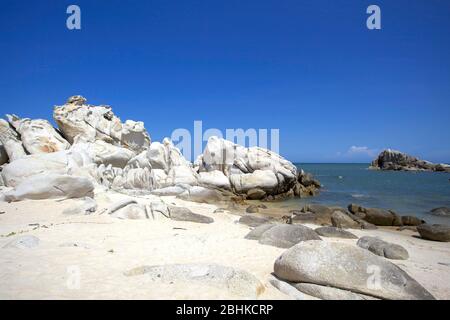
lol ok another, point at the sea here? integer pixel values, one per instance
(406, 193)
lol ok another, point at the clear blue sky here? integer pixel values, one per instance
(310, 68)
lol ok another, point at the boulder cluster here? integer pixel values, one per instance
(92, 147)
(396, 160)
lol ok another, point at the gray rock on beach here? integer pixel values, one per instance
(434, 232)
(342, 220)
(347, 267)
(256, 233)
(286, 235)
(334, 232)
(378, 217)
(185, 214)
(383, 248)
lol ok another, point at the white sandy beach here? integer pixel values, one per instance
(106, 247)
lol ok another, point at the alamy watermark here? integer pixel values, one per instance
(73, 21)
(191, 145)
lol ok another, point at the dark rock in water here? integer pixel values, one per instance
(383, 248)
(342, 220)
(334, 232)
(184, 214)
(435, 232)
(347, 267)
(252, 209)
(252, 220)
(23, 242)
(287, 235)
(256, 233)
(396, 160)
(411, 221)
(442, 211)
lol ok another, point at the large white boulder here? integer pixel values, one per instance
(51, 186)
(11, 141)
(214, 178)
(38, 136)
(75, 162)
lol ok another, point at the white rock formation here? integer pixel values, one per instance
(38, 136)
(120, 156)
(90, 123)
(246, 168)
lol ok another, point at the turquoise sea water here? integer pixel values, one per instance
(412, 193)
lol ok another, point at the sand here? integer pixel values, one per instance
(107, 247)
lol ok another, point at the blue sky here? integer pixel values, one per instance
(337, 91)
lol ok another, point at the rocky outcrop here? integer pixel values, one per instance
(378, 217)
(254, 172)
(93, 143)
(396, 160)
(347, 267)
(80, 121)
